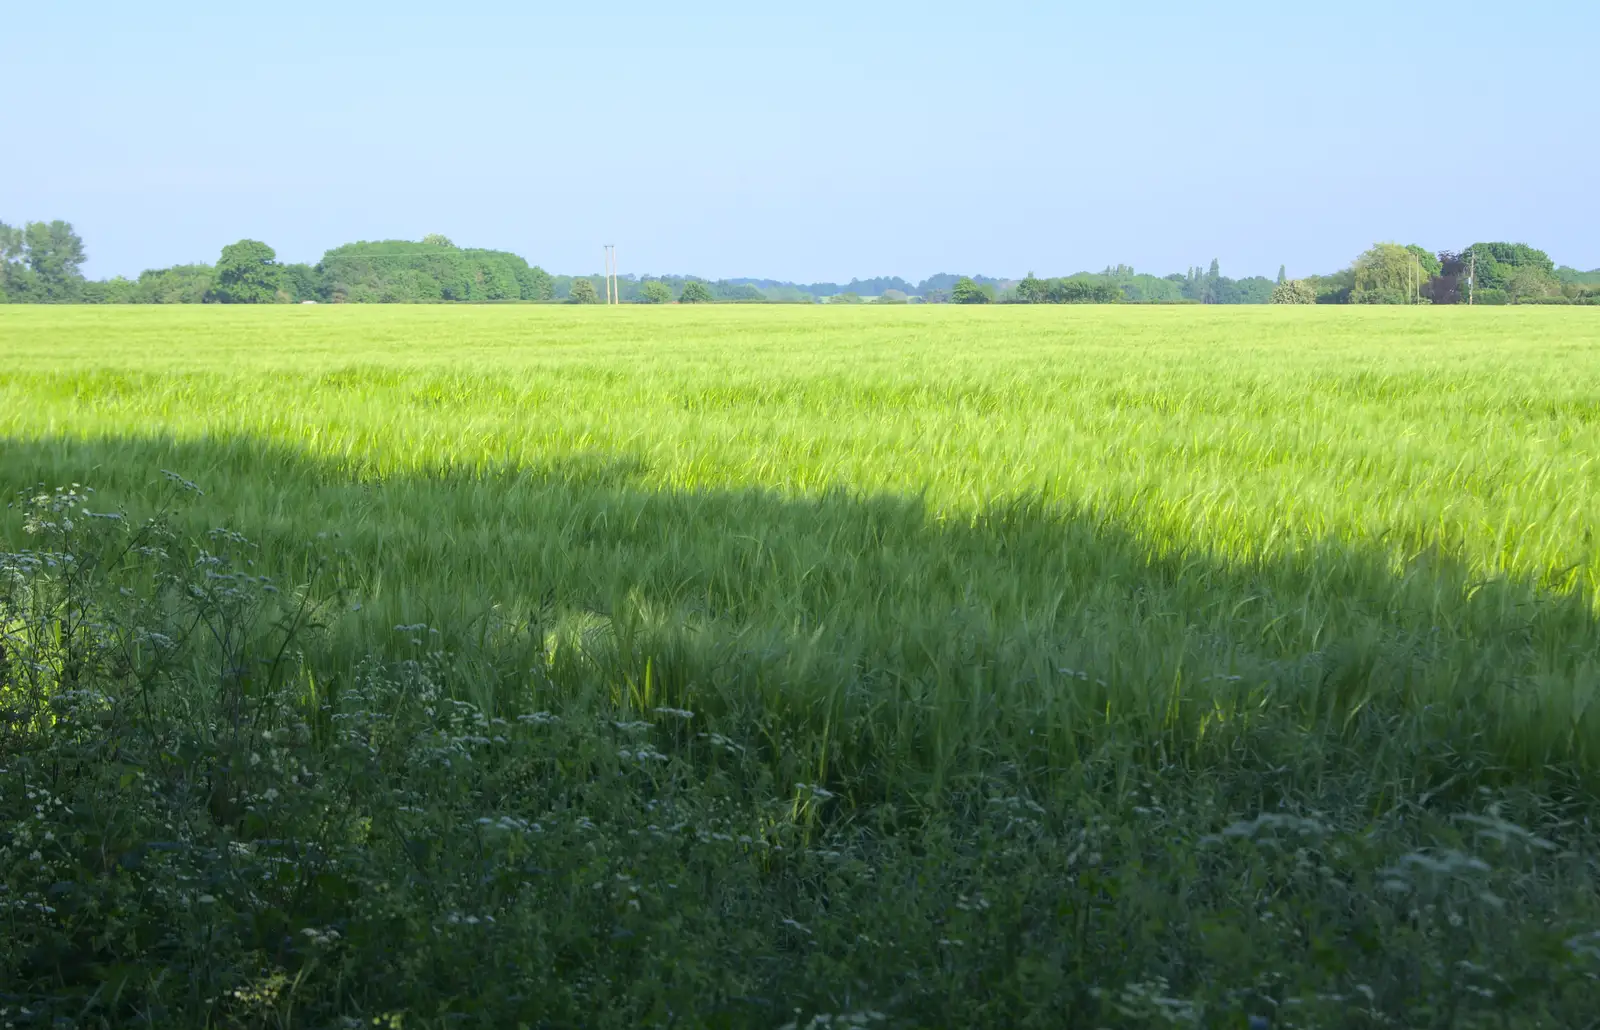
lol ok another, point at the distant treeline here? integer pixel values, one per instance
(1482, 273)
(41, 263)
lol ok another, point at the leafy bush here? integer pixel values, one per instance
(695, 292)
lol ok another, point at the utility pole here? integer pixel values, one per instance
(613, 288)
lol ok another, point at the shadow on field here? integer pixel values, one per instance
(1031, 632)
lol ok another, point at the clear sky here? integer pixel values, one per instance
(808, 141)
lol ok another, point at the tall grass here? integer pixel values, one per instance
(1158, 571)
(1208, 514)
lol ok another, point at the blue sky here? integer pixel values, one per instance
(813, 142)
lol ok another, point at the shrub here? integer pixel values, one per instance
(695, 292)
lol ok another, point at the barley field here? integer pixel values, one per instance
(1184, 566)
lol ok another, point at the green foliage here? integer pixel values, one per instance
(1294, 291)
(400, 271)
(654, 291)
(695, 292)
(737, 293)
(1572, 276)
(1389, 274)
(301, 282)
(435, 239)
(966, 291)
(193, 814)
(1081, 290)
(247, 273)
(846, 298)
(1078, 289)
(1528, 283)
(1496, 262)
(180, 284)
(1426, 259)
(1209, 286)
(39, 263)
(116, 290)
(584, 292)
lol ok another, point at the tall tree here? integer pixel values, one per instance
(15, 276)
(1283, 274)
(247, 273)
(1388, 274)
(53, 254)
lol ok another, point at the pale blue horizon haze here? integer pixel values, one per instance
(817, 143)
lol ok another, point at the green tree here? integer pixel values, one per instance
(583, 291)
(695, 292)
(654, 291)
(437, 239)
(1294, 291)
(1496, 262)
(15, 278)
(40, 262)
(180, 284)
(303, 282)
(848, 297)
(115, 290)
(412, 272)
(1387, 274)
(1427, 260)
(247, 273)
(1529, 283)
(966, 291)
(1030, 290)
(1283, 274)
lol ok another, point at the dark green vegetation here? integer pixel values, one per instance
(720, 666)
(40, 264)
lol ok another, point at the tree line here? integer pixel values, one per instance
(1482, 273)
(41, 262)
